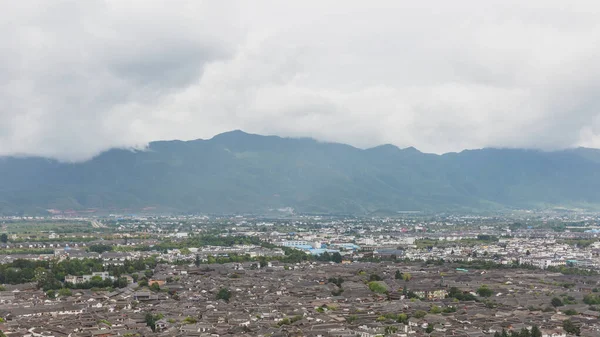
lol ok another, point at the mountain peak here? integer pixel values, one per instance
(411, 149)
(385, 147)
(231, 134)
(391, 148)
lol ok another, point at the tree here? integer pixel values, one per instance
(435, 310)
(406, 277)
(591, 299)
(390, 329)
(556, 302)
(374, 277)
(402, 318)
(155, 287)
(449, 309)
(501, 334)
(528, 252)
(336, 257)
(197, 262)
(224, 294)
(535, 331)
(100, 248)
(51, 294)
(484, 291)
(419, 314)
(64, 292)
(150, 321)
(377, 287)
(121, 282)
(398, 275)
(571, 328)
(336, 280)
(3, 238)
(429, 328)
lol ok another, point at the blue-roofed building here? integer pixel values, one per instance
(320, 251)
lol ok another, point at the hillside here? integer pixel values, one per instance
(236, 172)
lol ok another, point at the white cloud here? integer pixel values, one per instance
(80, 77)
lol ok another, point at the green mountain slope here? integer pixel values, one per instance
(236, 172)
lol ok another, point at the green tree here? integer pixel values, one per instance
(3, 238)
(419, 314)
(501, 334)
(224, 294)
(150, 321)
(121, 282)
(100, 248)
(374, 277)
(390, 329)
(197, 262)
(591, 299)
(571, 328)
(336, 280)
(377, 287)
(570, 312)
(51, 294)
(398, 275)
(484, 291)
(556, 302)
(429, 328)
(535, 331)
(155, 287)
(336, 257)
(65, 292)
(435, 309)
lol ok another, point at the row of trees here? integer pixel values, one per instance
(534, 332)
(50, 274)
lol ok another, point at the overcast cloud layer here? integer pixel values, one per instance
(79, 77)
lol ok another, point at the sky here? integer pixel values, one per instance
(80, 77)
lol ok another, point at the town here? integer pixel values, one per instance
(523, 274)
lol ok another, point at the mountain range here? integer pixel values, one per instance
(237, 172)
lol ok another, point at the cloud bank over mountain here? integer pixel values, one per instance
(78, 78)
